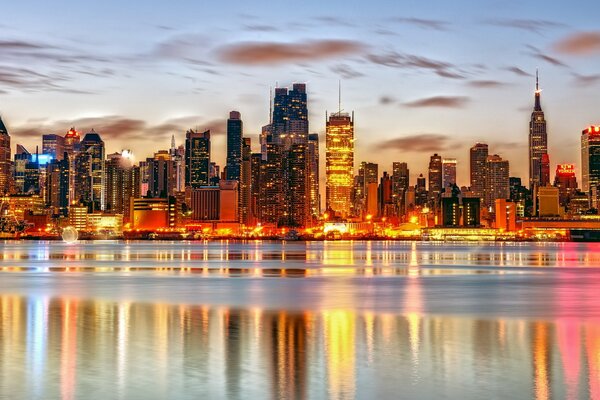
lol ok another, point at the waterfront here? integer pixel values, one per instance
(299, 320)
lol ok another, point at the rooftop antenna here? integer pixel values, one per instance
(271, 104)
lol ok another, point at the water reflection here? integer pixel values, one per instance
(69, 348)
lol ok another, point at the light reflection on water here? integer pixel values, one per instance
(299, 320)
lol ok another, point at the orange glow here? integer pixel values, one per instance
(565, 169)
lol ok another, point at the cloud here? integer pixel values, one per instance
(424, 23)
(439, 101)
(346, 72)
(17, 45)
(334, 21)
(486, 83)
(537, 53)
(518, 71)
(189, 47)
(260, 28)
(531, 25)
(409, 61)
(420, 142)
(116, 127)
(586, 80)
(384, 100)
(268, 53)
(579, 44)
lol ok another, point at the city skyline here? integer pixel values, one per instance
(420, 82)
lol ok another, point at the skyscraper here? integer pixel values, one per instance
(162, 175)
(566, 182)
(234, 146)
(400, 184)
(538, 142)
(339, 159)
(197, 159)
(590, 158)
(57, 186)
(313, 175)
(5, 174)
(290, 115)
(497, 182)
(53, 145)
(93, 145)
(435, 178)
(119, 183)
(449, 172)
(245, 186)
(478, 158)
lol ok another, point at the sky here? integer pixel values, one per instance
(422, 77)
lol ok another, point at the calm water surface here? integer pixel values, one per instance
(340, 320)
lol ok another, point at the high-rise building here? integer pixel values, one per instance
(566, 182)
(80, 178)
(538, 142)
(435, 178)
(449, 172)
(57, 186)
(197, 158)
(590, 158)
(297, 190)
(234, 146)
(272, 207)
(256, 160)
(339, 170)
(93, 145)
(478, 158)
(290, 115)
(177, 154)
(245, 186)
(497, 183)
(421, 191)
(548, 200)
(54, 145)
(5, 160)
(400, 185)
(119, 183)
(368, 173)
(162, 175)
(313, 175)
(385, 196)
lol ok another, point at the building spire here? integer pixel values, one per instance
(538, 106)
(340, 97)
(173, 142)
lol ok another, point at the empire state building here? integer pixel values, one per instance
(539, 163)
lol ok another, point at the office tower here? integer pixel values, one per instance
(471, 211)
(297, 190)
(272, 207)
(478, 158)
(421, 191)
(400, 185)
(245, 186)
(386, 200)
(313, 176)
(506, 213)
(368, 173)
(5, 161)
(497, 183)
(177, 154)
(256, 160)
(93, 145)
(162, 175)
(339, 161)
(216, 203)
(234, 146)
(538, 142)
(72, 141)
(448, 172)
(57, 186)
(81, 173)
(290, 115)
(372, 200)
(566, 182)
(197, 158)
(590, 158)
(23, 161)
(451, 211)
(215, 174)
(548, 201)
(435, 178)
(53, 145)
(119, 183)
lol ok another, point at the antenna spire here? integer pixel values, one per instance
(537, 80)
(270, 104)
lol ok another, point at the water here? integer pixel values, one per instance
(146, 320)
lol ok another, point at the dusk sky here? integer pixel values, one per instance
(421, 76)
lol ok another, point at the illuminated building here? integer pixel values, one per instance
(497, 184)
(372, 204)
(548, 201)
(5, 164)
(435, 178)
(566, 182)
(471, 211)
(421, 191)
(27, 172)
(339, 159)
(93, 145)
(519, 195)
(538, 143)
(148, 214)
(197, 158)
(290, 115)
(82, 179)
(54, 145)
(78, 217)
(105, 223)
(246, 184)
(506, 215)
(478, 158)
(119, 183)
(368, 173)
(220, 203)
(178, 157)
(400, 185)
(448, 172)
(297, 190)
(162, 175)
(234, 146)
(57, 186)
(386, 201)
(215, 174)
(450, 211)
(590, 158)
(22, 204)
(271, 201)
(256, 160)
(72, 146)
(313, 175)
